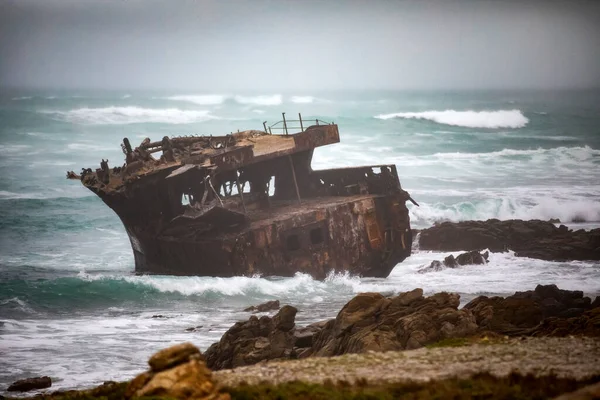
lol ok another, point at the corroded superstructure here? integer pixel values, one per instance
(249, 203)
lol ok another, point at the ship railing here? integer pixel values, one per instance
(284, 126)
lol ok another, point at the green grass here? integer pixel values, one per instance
(482, 386)
(450, 342)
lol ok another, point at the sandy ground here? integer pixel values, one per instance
(566, 357)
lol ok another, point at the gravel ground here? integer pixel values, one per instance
(566, 357)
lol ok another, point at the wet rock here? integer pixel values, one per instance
(158, 316)
(586, 324)
(372, 322)
(190, 380)
(268, 306)
(25, 385)
(519, 313)
(180, 373)
(284, 319)
(470, 258)
(255, 340)
(534, 239)
(304, 336)
(171, 356)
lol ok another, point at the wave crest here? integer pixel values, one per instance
(507, 208)
(468, 119)
(131, 115)
(263, 100)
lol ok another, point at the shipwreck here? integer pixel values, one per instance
(249, 203)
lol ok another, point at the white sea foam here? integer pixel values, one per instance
(264, 100)
(202, 99)
(22, 98)
(126, 96)
(504, 208)
(131, 115)
(547, 159)
(504, 274)
(469, 119)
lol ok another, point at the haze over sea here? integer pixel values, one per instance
(71, 306)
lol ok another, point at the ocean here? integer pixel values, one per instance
(72, 308)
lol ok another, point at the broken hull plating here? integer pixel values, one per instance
(365, 235)
(249, 203)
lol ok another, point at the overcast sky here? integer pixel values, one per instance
(277, 45)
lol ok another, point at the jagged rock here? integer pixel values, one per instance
(534, 239)
(372, 322)
(172, 356)
(472, 257)
(519, 313)
(193, 328)
(25, 385)
(587, 324)
(255, 340)
(176, 372)
(304, 336)
(268, 306)
(284, 319)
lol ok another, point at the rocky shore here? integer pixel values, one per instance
(540, 343)
(546, 341)
(373, 322)
(535, 239)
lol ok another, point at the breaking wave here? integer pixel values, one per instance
(131, 115)
(468, 119)
(571, 158)
(102, 291)
(567, 211)
(271, 100)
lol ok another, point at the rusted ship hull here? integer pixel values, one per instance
(349, 234)
(291, 219)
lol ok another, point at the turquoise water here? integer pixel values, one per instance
(67, 288)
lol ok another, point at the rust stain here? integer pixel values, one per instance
(249, 203)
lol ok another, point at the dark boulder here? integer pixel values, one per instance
(534, 239)
(470, 258)
(587, 324)
(519, 313)
(25, 385)
(268, 306)
(372, 322)
(249, 342)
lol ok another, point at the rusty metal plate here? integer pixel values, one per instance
(373, 231)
